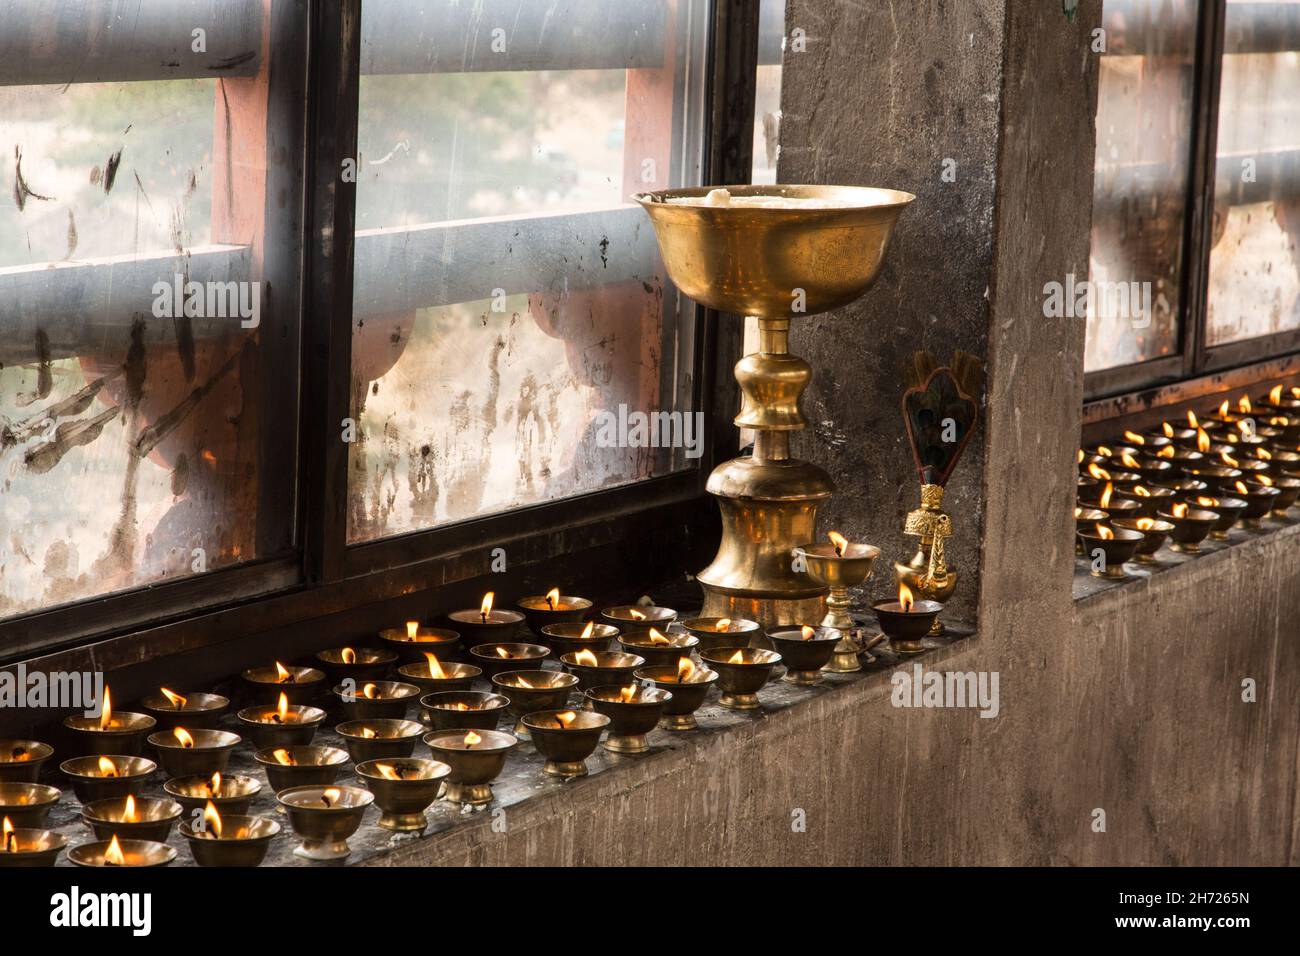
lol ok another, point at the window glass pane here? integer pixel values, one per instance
(1144, 127)
(508, 296)
(148, 376)
(767, 92)
(1255, 263)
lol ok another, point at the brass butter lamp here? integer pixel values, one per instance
(747, 254)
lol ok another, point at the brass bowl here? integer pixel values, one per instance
(745, 260)
(567, 638)
(538, 613)
(501, 626)
(741, 680)
(473, 768)
(677, 647)
(521, 657)
(369, 663)
(631, 619)
(124, 736)
(610, 667)
(1154, 501)
(630, 718)
(566, 738)
(389, 699)
(27, 804)
(441, 641)
(804, 659)
(265, 687)
(21, 760)
(266, 732)
(688, 696)
(1116, 550)
(402, 801)
(210, 753)
(155, 817)
(232, 799)
(1190, 529)
(391, 738)
(1288, 492)
(1260, 500)
(1229, 510)
(458, 676)
(200, 712)
(738, 634)
(311, 766)
(244, 841)
(138, 853)
(1154, 535)
(325, 817)
(34, 848)
(482, 711)
(90, 785)
(530, 691)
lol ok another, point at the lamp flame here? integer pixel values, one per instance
(1244, 405)
(657, 638)
(1223, 409)
(106, 714)
(808, 633)
(1106, 492)
(1263, 454)
(349, 656)
(1228, 459)
(737, 658)
(282, 674)
(369, 691)
(566, 718)
(412, 630)
(585, 658)
(1275, 394)
(1168, 429)
(435, 667)
(906, 598)
(1166, 452)
(184, 737)
(502, 653)
(1241, 486)
(129, 813)
(636, 615)
(553, 598)
(1146, 524)
(284, 758)
(724, 624)
(1101, 474)
(1141, 491)
(1180, 510)
(839, 541)
(282, 708)
(1104, 451)
(176, 700)
(685, 669)
(214, 785)
(107, 768)
(387, 772)
(1104, 533)
(331, 796)
(114, 856)
(589, 630)
(1265, 480)
(627, 693)
(1134, 437)
(485, 607)
(471, 739)
(1204, 502)
(1192, 420)
(1202, 440)
(11, 839)
(1129, 461)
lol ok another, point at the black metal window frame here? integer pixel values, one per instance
(327, 575)
(1112, 392)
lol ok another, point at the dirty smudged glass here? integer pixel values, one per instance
(1255, 263)
(138, 443)
(1144, 129)
(508, 298)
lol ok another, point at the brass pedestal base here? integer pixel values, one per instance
(845, 659)
(322, 849)
(627, 744)
(565, 768)
(740, 701)
(473, 795)
(404, 822)
(803, 678)
(679, 722)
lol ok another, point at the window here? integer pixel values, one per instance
(203, 403)
(1198, 109)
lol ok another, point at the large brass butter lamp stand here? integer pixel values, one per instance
(771, 252)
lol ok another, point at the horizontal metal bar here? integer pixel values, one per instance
(1275, 175)
(495, 35)
(90, 41)
(409, 267)
(85, 304)
(1141, 28)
